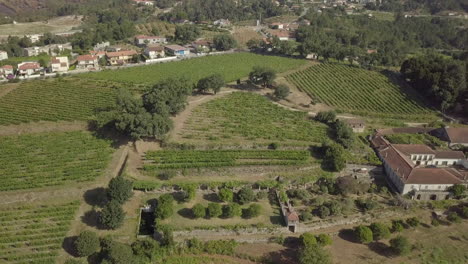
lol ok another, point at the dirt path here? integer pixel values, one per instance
(43, 126)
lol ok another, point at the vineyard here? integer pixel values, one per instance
(246, 116)
(183, 159)
(53, 100)
(358, 91)
(34, 234)
(32, 161)
(231, 66)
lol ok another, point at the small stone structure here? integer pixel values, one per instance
(291, 218)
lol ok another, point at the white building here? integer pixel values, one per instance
(154, 52)
(59, 64)
(87, 62)
(34, 37)
(53, 49)
(142, 40)
(6, 70)
(177, 50)
(3, 55)
(455, 135)
(29, 68)
(357, 125)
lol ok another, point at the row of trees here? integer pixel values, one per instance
(226, 211)
(118, 192)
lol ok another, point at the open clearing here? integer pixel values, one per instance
(361, 92)
(53, 100)
(55, 25)
(240, 117)
(33, 233)
(39, 160)
(230, 66)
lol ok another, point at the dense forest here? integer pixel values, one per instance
(432, 6)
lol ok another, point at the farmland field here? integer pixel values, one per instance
(54, 100)
(359, 91)
(34, 233)
(31, 161)
(182, 159)
(245, 116)
(231, 66)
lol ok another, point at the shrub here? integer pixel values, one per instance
(87, 243)
(366, 205)
(324, 240)
(458, 190)
(397, 226)
(144, 248)
(435, 222)
(326, 116)
(323, 211)
(262, 195)
(120, 189)
(314, 255)
(232, 210)
(245, 195)
(189, 192)
(281, 91)
(167, 175)
(252, 211)
(222, 247)
(273, 146)
(225, 195)
(112, 215)
(308, 240)
(453, 217)
(380, 231)
(214, 210)
(363, 234)
(464, 212)
(164, 208)
(413, 221)
(306, 216)
(119, 253)
(400, 245)
(198, 211)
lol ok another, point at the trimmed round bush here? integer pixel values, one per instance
(198, 211)
(86, 244)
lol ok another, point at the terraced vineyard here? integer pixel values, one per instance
(183, 159)
(242, 117)
(231, 66)
(34, 234)
(53, 100)
(39, 160)
(359, 91)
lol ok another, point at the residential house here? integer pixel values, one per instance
(453, 135)
(282, 34)
(120, 57)
(87, 62)
(99, 54)
(222, 23)
(3, 55)
(34, 37)
(53, 49)
(29, 68)
(290, 216)
(101, 46)
(277, 25)
(6, 71)
(144, 2)
(357, 125)
(142, 40)
(154, 52)
(420, 171)
(202, 45)
(59, 64)
(176, 50)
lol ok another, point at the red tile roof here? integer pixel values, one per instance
(86, 58)
(409, 149)
(155, 48)
(457, 134)
(148, 37)
(175, 47)
(7, 67)
(121, 53)
(449, 154)
(30, 66)
(433, 176)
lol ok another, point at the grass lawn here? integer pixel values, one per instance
(231, 66)
(54, 99)
(245, 117)
(361, 92)
(182, 219)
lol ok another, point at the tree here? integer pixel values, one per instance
(87, 244)
(213, 82)
(453, 217)
(400, 245)
(334, 157)
(164, 208)
(326, 116)
(112, 215)
(287, 47)
(464, 212)
(314, 255)
(226, 195)
(413, 221)
(344, 134)
(252, 211)
(324, 240)
(144, 249)
(262, 75)
(323, 211)
(458, 190)
(186, 33)
(253, 44)
(168, 96)
(363, 234)
(224, 42)
(308, 240)
(214, 210)
(397, 226)
(281, 91)
(198, 211)
(232, 210)
(380, 231)
(245, 195)
(188, 193)
(119, 253)
(120, 189)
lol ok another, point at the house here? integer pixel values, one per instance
(99, 54)
(453, 135)
(53, 49)
(34, 38)
(87, 62)
(421, 172)
(357, 125)
(101, 46)
(304, 22)
(6, 71)
(59, 64)
(202, 45)
(282, 34)
(371, 51)
(28, 68)
(222, 23)
(144, 2)
(154, 52)
(120, 57)
(142, 40)
(277, 25)
(290, 216)
(176, 50)
(3, 55)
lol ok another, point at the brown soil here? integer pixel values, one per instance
(6, 88)
(43, 126)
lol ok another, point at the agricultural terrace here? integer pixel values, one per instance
(185, 159)
(240, 117)
(32, 233)
(39, 160)
(54, 100)
(231, 66)
(359, 91)
(202, 260)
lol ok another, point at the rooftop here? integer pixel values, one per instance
(457, 134)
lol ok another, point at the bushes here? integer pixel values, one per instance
(281, 91)
(324, 240)
(245, 195)
(112, 215)
(118, 253)
(326, 116)
(400, 245)
(453, 217)
(164, 208)
(86, 244)
(413, 222)
(198, 211)
(306, 216)
(308, 240)
(225, 195)
(397, 226)
(314, 255)
(214, 210)
(363, 234)
(232, 210)
(380, 231)
(252, 211)
(120, 189)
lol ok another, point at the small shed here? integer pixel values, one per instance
(358, 125)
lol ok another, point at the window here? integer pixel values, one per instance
(436, 163)
(454, 163)
(444, 163)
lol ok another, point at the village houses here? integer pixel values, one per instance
(120, 57)
(87, 62)
(142, 40)
(3, 55)
(6, 71)
(177, 50)
(53, 49)
(357, 125)
(154, 52)
(59, 64)
(202, 45)
(29, 68)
